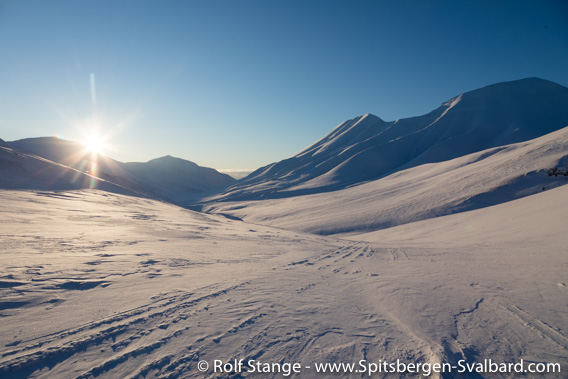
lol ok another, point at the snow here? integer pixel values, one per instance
(445, 258)
(177, 178)
(366, 148)
(517, 222)
(172, 179)
(470, 182)
(95, 283)
(20, 170)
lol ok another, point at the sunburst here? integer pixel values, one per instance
(95, 144)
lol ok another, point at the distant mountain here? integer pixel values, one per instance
(367, 148)
(177, 178)
(171, 179)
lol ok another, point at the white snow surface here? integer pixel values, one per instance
(450, 245)
(95, 284)
(473, 181)
(518, 222)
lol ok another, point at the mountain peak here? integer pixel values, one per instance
(366, 147)
(169, 178)
(169, 160)
(371, 116)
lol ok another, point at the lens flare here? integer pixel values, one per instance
(95, 144)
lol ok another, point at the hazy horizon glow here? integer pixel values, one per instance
(243, 84)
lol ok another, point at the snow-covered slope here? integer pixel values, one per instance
(75, 155)
(473, 181)
(172, 179)
(95, 284)
(69, 153)
(101, 283)
(27, 171)
(367, 147)
(530, 218)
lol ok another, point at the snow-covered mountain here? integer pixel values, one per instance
(177, 178)
(26, 171)
(367, 147)
(172, 179)
(94, 283)
(476, 180)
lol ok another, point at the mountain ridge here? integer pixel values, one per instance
(172, 179)
(474, 181)
(367, 147)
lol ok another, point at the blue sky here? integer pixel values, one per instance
(240, 84)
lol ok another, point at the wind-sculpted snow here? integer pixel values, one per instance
(95, 284)
(367, 148)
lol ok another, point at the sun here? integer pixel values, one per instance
(95, 144)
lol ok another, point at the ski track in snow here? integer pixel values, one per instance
(457, 251)
(100, 285)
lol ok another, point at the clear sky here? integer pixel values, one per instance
(240, 84)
